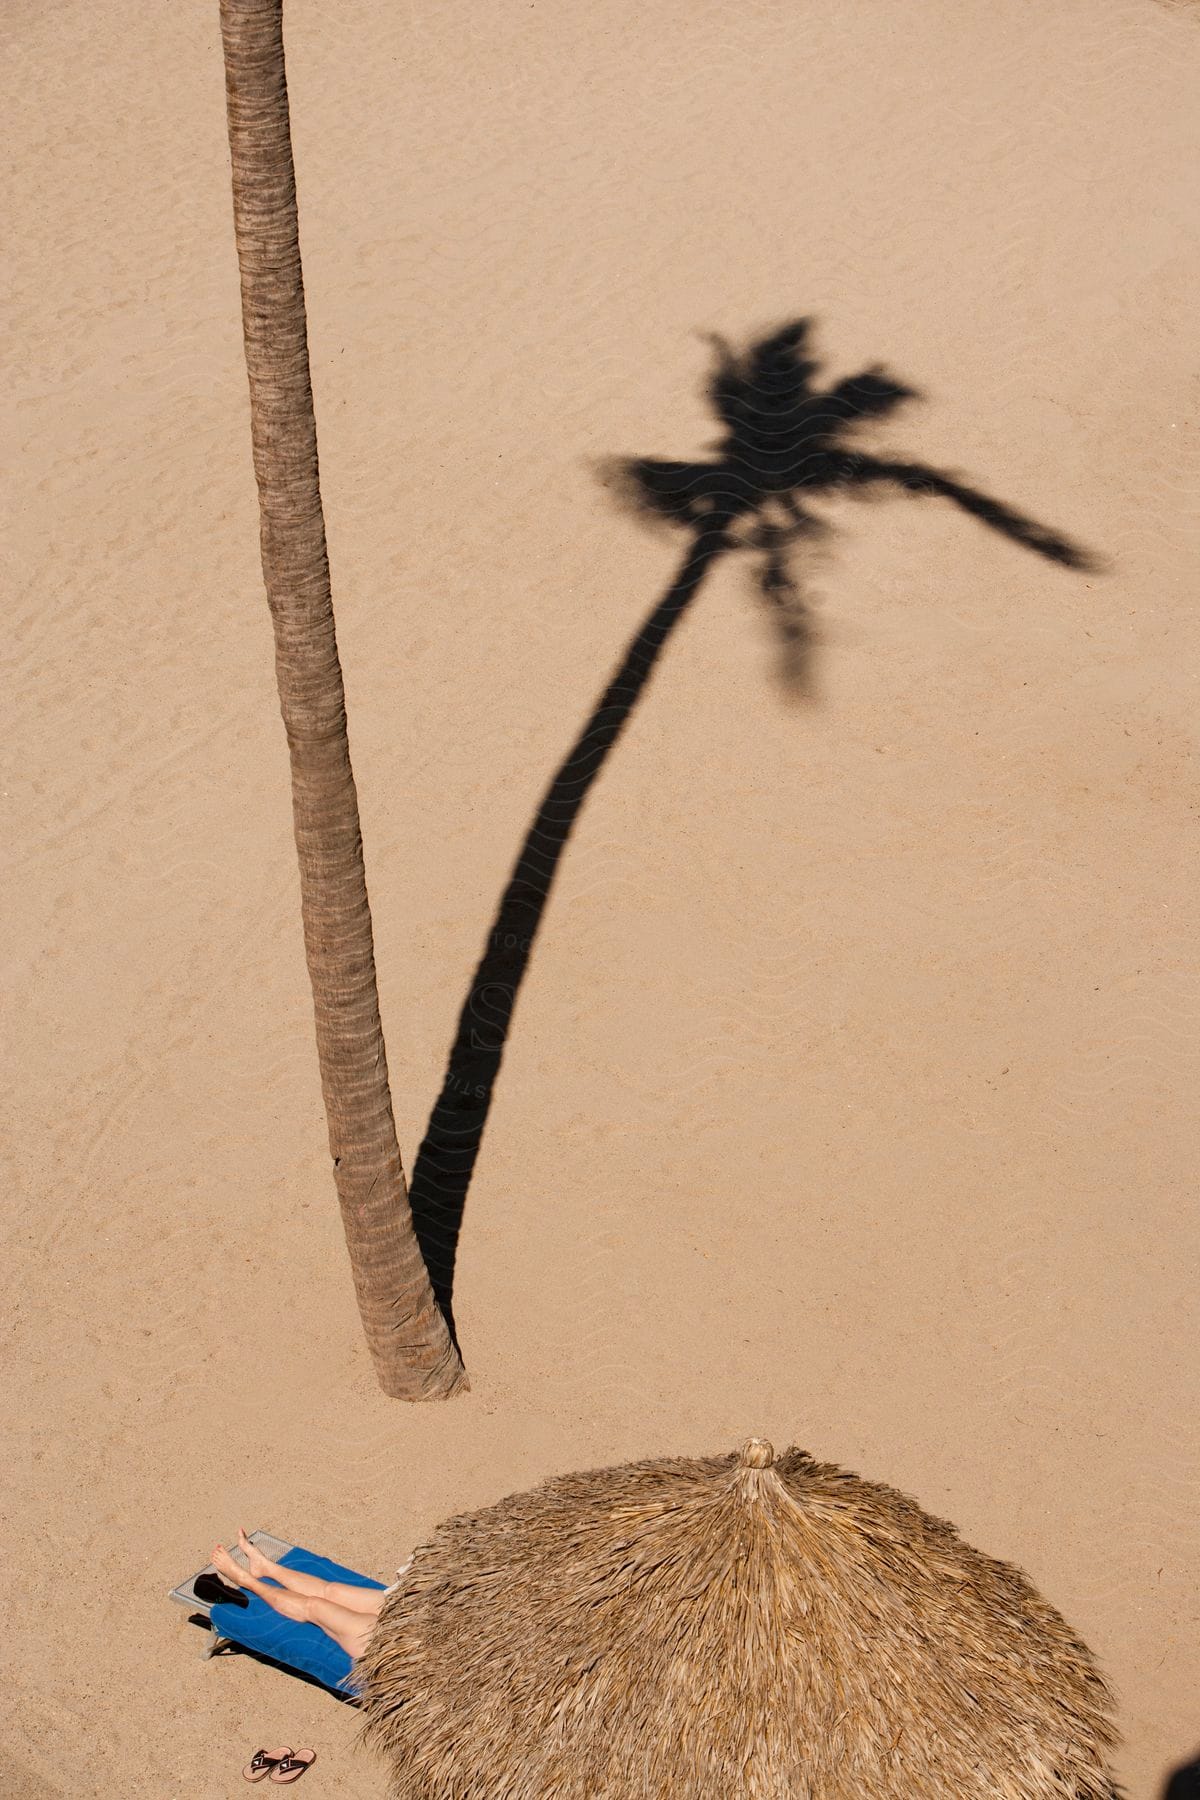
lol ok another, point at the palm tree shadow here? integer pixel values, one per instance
(784, 442)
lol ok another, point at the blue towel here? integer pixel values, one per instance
(303, 1647)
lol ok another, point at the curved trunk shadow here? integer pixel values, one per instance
(446, 1159)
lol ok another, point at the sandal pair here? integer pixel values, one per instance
(283, 1766)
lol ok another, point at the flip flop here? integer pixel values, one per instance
(293, 1766)
(263, 1761)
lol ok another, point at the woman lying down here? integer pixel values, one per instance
(343, 1612)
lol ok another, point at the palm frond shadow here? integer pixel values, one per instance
(784, 441)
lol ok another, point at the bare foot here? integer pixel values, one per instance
(260, 1566)
(225, 1566)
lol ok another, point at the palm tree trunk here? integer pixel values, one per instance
(405, 1330)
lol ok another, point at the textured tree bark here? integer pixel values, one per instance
(414, 1356)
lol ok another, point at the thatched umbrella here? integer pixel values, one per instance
(726, 1627)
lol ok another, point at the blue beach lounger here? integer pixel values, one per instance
(304, 1648)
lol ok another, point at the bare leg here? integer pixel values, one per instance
(348, 1629)
(341, 1593)
(365, 1601)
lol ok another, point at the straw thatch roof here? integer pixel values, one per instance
(732, 1626)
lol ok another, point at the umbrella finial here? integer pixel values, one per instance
(756, 1453)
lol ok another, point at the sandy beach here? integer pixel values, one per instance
(850, 1096)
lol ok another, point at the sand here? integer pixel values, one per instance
(849, 1099)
